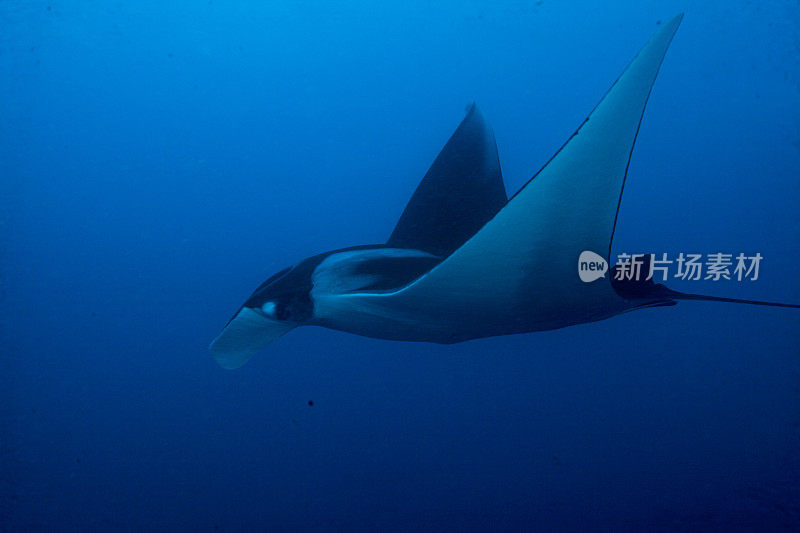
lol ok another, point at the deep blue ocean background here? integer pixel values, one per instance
(159, 160)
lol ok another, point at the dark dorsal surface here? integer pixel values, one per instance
(383, 269)
(461, 191)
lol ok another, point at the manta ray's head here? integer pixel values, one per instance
(286, 296)
(310, 293)
(277, 306)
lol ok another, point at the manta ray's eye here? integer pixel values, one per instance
(295, 307)
(270, 309)
(280, 310)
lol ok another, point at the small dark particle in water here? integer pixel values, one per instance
(658, 23)
(170, 55)
(78, 460)
(310, 403)
(94, 314)
(539, 3)
(49, 8)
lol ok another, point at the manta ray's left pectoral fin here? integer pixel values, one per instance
(461, 191)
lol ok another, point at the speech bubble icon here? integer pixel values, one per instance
(591, 266)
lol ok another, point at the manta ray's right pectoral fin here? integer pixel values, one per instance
(521, 267)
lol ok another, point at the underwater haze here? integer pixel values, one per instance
(159, 160)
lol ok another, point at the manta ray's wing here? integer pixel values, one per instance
(519, 271)
(461, 191)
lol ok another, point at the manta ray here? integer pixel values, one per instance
(464, 261)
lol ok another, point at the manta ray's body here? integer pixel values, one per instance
(465, 262)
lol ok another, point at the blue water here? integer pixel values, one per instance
(158, 160)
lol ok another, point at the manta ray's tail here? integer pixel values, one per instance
(675, 295)
(647, 290)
